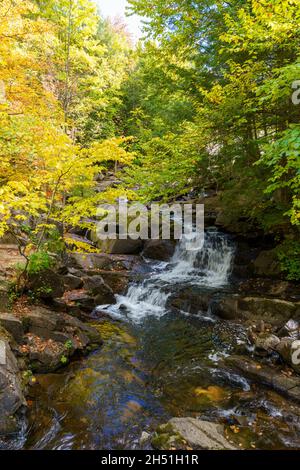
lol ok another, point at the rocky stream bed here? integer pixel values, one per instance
(183, 350)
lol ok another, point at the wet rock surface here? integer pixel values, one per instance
(72, 282)
(12, 400)
(102, 261)
(191, 433)
(161, 250)
(272, 377)
(191, 300)
(13, 325)
(96, 287)
(275, 311)
(263, 287)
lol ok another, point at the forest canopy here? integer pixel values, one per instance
(202, 103)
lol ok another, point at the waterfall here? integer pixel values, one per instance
(209, 266)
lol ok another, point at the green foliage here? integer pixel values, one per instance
(13, 295)
(167, 166)
(39, 261)
(28, 378)
(68, 345)
(289, 257)
(56, 66)
(282, 156)
(205, 99)
(64, 360)
(227, 71)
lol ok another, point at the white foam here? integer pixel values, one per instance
(208, 266)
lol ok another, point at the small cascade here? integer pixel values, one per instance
(208, 266)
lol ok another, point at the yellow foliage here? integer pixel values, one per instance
(44, 175)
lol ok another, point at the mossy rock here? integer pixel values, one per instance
(166, 438)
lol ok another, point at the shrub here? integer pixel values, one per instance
(289, 256)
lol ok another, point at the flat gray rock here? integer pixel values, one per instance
(201, 434)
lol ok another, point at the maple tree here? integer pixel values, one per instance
(46, 177)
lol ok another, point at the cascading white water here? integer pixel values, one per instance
(209, 266)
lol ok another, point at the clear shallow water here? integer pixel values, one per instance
(146, 374)
(156, 364)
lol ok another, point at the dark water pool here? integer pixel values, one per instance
(147, 373)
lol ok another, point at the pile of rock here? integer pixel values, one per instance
(36, 340)
(41, 338)
(274, 357)
(285, 342)
(86, 281)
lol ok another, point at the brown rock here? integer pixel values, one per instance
(267, 375)
(52, 337)
(267, 264)
(13, 325)
(47, 284)
(161, 250)
(96, 287)
(72, 282)
(274, 311)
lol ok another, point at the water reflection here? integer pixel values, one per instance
(146, 374)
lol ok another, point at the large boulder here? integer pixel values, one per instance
(79, 300)
(180, 433)
(264, 287)
(13, 325)
(117, 281)
(72, 282)
(274, 311)
(267, 264)
(270, 376)
(191, 300)
(96, 287)
(51, 339)
(88, 262)
(160, 250)
(121, 247)
(47, 284)
(12, 400)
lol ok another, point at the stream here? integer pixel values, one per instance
(156, 364)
